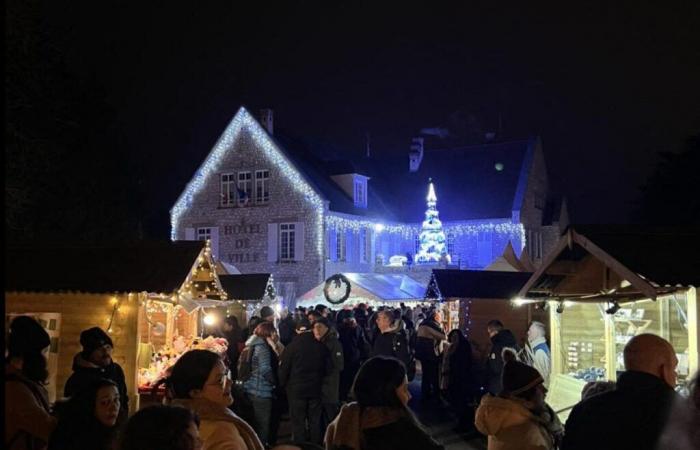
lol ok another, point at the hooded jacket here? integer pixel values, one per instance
(263, 376)
(494, 363)
(429, 336)
(370, 428)
(220, 428)
(85, 373)
(510, 425)
(28, 423)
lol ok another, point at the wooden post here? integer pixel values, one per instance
(693, 338)
(610, 348)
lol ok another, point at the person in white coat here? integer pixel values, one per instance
(536, 353)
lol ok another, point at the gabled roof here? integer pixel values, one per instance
(159, 267)
(651, 258)
(377, 287)
(467, 182)
(249, 286)
(486, 284)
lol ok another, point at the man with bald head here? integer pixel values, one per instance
(633, 415)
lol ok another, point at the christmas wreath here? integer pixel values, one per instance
(337, 280)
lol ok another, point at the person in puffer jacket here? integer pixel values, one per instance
(260, 387)
(518, 418)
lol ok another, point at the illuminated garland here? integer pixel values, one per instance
(244, 121)
(408, 231)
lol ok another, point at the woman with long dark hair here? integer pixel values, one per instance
(28, 422)
(200, 381)
(380, 418)
(162, 427)
(88, 420)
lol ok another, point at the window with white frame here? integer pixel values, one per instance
(364, 254)
(245, 188)
(360, 193)
(450, 244)
(262, 186)
(287, 232)
(228, 189)
(340, 246)
(203, 234)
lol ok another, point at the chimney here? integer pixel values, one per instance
(415, 156)
(266, 120)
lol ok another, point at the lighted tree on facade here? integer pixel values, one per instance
(432, 238)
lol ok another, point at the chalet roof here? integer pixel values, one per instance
(135, 267)
(665, 255)
(489, 284)
(378, 287)
(249, 286)
(651, 258)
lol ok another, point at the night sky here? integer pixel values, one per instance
(606, 87)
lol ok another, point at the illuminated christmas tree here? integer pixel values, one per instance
(432, 238)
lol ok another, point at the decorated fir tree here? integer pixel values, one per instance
(432, 238)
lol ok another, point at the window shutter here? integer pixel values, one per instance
(298, 241)
(350, 246)
(272, 242)
(215, 242)
(333, 244)
(189, 234)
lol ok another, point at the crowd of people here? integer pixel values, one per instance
(342, 379)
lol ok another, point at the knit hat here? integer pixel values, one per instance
(324, 321)
(266, 311)
(94, 338)
(518, 377)
(26, 336)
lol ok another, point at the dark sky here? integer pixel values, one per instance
(606, 87)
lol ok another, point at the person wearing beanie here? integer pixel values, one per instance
(95, 362)
(330, 395)
(518, 418)
(267, 313)
(28, 423)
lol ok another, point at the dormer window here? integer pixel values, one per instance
(361, 192)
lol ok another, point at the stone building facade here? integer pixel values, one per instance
(268, 206)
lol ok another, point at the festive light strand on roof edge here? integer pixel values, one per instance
(512, 230)
(243, 120)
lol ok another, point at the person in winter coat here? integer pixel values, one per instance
(458, 379)
(286, 327)
(234, 336)
(201, 382)
(429, 337)
(28, 422)
(500, 339)
(518, 418)
(634, 414)
(261, 385)
(161, 427)
(304, 364)
(87, 421)
(380, 419)
(390, 341)
(536, 352)
(95, 362)
(330, 394)
(355, 351)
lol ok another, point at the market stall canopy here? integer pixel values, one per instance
(224, 268)
(250, 286)
(449, 284)
(372, 288)
(149, 266)
(604, 263)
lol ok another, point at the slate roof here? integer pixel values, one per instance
(666, 255)
(144, 266)
(467, 184)
(250, 286)
(479, 283)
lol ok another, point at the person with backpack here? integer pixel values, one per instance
(258, 372)
(28, 422)
(500, 339)
(392, 342)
